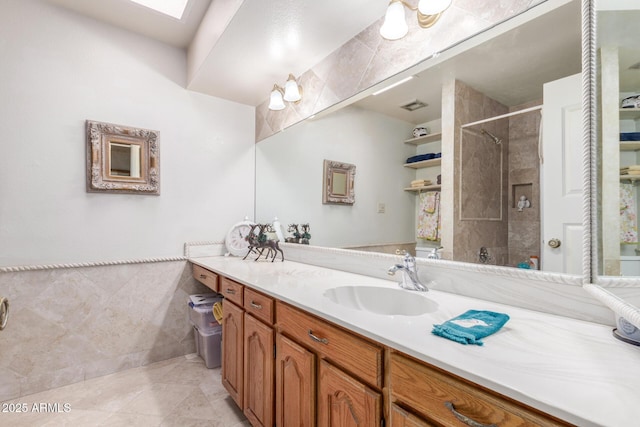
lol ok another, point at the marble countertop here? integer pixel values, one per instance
(568, 368)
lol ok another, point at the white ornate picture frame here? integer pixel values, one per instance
(338, 183)
(122, 159)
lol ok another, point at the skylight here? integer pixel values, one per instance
(173, 8)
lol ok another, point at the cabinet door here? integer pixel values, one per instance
(295, 384)
(232, 350)
(401, 418)
(345, 402)
(258, 372)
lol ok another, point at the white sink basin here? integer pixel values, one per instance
(379, 300)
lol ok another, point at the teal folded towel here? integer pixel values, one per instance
(470, 327)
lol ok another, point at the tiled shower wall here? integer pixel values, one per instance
(368, 59)
(71, 324)
(524, 179)
(480, 203)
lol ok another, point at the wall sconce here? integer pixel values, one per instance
(395, 25)
(292, 92)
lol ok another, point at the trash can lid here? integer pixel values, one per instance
(200, 299)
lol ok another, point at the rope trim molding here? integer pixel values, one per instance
(619, 306)
(89, 264)
(589, 205)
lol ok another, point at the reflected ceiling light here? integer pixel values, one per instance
(292, 92)
(276, 102)
(395, 25)
(398, 83)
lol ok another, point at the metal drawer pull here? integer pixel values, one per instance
(254, 305)
(315, 338)
(231, 291)
(4, 312)
(203, 276)
(468, 421)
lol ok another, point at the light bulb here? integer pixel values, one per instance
(275, 100)
(291, 90)
(395, 25)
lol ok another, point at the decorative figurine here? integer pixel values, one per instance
(304, 238)
(523, 203)
(293, 228)
(258, 242)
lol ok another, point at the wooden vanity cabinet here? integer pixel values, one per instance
(259, 351)
(258, 372)
(233, 351)
(440, 398)
(206, 277)
(401, 418)
(295, 384)
(327, 368)
(286, 367)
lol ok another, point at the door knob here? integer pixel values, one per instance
(554, 243)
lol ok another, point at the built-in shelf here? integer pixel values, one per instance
(425, 188)
(424, 163)
(629, 145)
(432, 137)
(629, 113)
(632, 178)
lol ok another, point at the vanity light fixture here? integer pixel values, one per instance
(292, 92)
(276, 102)
(395, 25)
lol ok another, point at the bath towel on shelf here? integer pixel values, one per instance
(429, 216)
(420, 183)
(628, 220)
(471, 326)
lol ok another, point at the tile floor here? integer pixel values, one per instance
(176, 392)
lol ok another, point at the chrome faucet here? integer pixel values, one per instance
(410, 278)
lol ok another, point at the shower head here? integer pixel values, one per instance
(492, 136)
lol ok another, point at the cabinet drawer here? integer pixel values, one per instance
(354, 354)
(231, 290)
(206, 277)
(447, 400)
(258, 305)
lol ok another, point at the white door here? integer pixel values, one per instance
(561, 176)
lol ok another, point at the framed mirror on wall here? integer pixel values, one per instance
(615, 138)
(498, 76)
(122, 159)
(617, 107)
(338, 183)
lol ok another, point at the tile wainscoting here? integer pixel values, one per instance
(71, 324)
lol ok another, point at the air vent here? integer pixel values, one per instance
(414, 105)
(635, 66)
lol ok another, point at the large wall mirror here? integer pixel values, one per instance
(618, 138)
(493, 105)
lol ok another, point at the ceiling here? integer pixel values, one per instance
(263, 42)
(620, 28)
(510, 66)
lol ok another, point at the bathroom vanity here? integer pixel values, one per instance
(293, 352)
